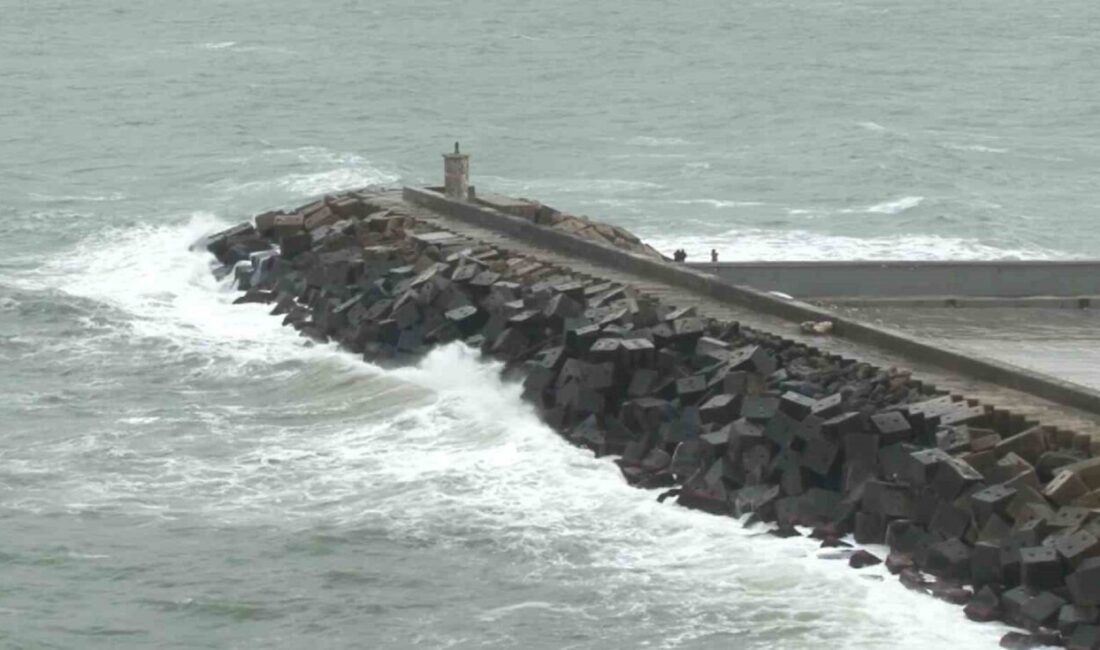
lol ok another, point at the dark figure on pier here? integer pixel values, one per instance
(714, 255)
(679, 255)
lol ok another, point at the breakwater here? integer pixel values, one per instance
(977, 510)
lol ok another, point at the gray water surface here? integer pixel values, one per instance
(177, 473)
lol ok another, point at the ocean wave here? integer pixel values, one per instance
(72, 198)
(896, 206)
(872, 126)
(717, 203)
(650, 141)
(544, 186)
(978, 148)
(338, 171)
(444, 456)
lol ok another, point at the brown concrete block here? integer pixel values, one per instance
(1065, 488)
(1029, 444)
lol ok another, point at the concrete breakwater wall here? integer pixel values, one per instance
(916, 279)
(992, 513)
(862, 332)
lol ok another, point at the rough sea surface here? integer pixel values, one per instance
(177, 473)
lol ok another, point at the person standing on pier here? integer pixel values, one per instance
(714, 255)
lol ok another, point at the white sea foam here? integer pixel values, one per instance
(978, 148)
(650, 141)
(587, 186)
(717, 203)
(324, 171)
(872, 126)
(74, 198)
(896, 206)
(464, 463)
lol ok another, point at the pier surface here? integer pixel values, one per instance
(498, 230)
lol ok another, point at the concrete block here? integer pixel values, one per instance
(953, 477)
(720, 409)
(1071, 616)
(780, 429)
(828, 407)
(510, 344)
(892, 427)
(690, 389)
(639, 353)
(753, 357)
(1084, 582)
(888, 499)
(1070, 517)
(758, 407)
(735, 382)
(688, 458)
(893, 461)
(758, 499)
(870, 528)
(1050, 462)
(994, 529)
(1040, 568)
(861, 448)
(1088, 471)
(855, 475)
(793, 479)
(467, 320)
(718, 441)
(1028, 504)
(985, 564)
(1084, 637)
(642, 383)
(755, 460)
(922, 466)
(1029, 445)
(1040, 610)
(820, 456)
(953, 440)
(713, 348)
(985, 442)
(950, 521)
(1076, 547)
(796, 405)
(949, 559)
(841, 425)
(961, 415)
(1065, 488)
(905, 536)
(411, 340)
(991, 500)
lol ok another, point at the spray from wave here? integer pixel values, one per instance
(445, 455)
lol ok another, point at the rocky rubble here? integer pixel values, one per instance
(977, 506)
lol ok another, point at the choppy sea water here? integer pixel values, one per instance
(175, 472)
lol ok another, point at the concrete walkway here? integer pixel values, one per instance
(1032, 408)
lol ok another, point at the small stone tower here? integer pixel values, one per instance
(456, 175)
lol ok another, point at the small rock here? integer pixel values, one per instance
(861, 559)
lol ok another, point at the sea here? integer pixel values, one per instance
(179, 473)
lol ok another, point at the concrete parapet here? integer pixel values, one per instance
(995, 372)
(915, 279)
